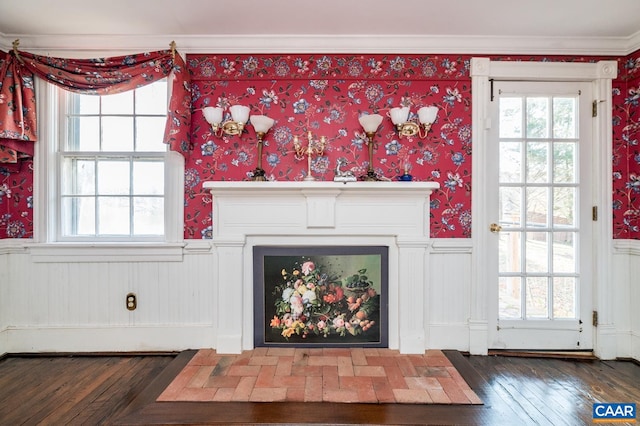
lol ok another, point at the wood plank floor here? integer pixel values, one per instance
(113, 390)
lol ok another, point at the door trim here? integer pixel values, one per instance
(600, 74)
(542, 333)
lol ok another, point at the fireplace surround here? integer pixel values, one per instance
(285, 214)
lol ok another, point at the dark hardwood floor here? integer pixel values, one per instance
(92, 390)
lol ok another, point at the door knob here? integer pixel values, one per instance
(495, 228)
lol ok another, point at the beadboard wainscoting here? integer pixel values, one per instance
(78, 305)
(449, 294)
(626, 279)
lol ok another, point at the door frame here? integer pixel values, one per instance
(539, 332)
(600, 74)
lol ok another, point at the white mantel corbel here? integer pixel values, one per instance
(321, 208)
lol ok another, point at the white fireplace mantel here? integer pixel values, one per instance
(248, 214)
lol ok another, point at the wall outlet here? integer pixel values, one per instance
(132, 302)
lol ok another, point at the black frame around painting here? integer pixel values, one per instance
(321, 296)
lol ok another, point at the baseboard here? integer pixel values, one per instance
(606, 342)
(3, 343)
(635, 346)
(478, 337)
(632, 360)
(448, 336)
(108, 339)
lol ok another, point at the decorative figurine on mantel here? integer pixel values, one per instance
(314, 147)
(343, 175)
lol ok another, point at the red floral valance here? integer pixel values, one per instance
(100, 76)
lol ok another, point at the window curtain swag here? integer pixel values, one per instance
(102, 76)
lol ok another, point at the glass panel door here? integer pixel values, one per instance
(542, 191)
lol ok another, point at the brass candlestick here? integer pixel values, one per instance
(314, 147)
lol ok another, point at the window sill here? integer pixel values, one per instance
(106, 252)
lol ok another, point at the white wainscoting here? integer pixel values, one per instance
(626, 282)
(448, 298)
(4, 297)
(634, 300)
(79, 306)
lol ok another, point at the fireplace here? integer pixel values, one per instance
(250, 215)
(320, 296)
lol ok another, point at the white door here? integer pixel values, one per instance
(540, 200)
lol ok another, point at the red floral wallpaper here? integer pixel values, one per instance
(16, 199)
(626, 151)
(325, 94)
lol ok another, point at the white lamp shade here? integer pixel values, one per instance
(262, 123)
(427, 114)
(370, 122)
(239, 113)
(213, 115)
(399, 115)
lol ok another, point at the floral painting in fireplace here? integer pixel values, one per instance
(323, 296)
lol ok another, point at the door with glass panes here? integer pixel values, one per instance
(540, 202)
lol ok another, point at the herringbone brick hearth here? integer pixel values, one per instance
(350, 375)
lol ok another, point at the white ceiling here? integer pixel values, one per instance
(582, 27)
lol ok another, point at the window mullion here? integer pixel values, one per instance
(96, 193)
(131, 192)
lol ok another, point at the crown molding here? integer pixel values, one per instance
(59, 45)
(634, 43)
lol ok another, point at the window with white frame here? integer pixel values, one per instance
(112, 164)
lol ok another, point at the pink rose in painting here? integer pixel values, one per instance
(338, 322)
(308, 267)
(321, 325)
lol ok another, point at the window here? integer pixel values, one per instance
(113, 165)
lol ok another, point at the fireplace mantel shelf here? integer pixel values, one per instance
(295, 185)
(249, 214)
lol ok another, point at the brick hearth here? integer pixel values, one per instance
(356, 375)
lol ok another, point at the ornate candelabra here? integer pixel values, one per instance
(314, 147)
